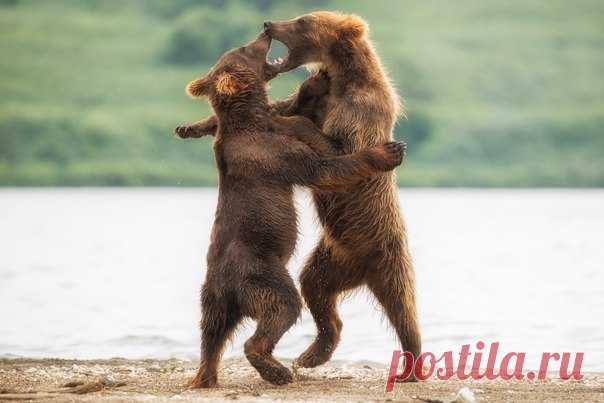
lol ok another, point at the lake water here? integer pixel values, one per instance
(99, 273)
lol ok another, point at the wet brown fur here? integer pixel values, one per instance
(364, 241)
(260, 157)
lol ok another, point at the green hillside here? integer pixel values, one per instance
(498, 93)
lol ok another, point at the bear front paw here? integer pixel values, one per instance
(182, 131)
(388, 156)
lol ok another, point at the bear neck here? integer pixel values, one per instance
(244, 111)
(353, 64)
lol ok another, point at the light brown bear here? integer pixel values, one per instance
(364, 241)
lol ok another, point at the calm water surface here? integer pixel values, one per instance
(94, 273)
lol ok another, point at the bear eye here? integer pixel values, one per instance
(303, 22)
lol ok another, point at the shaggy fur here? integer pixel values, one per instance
(260, 157)
(364, 240)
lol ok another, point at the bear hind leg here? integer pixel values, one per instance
(322, 280)
(217, 326)
(396, 295)
(275, 314)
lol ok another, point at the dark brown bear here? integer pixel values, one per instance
(364, 240)
(260, 157)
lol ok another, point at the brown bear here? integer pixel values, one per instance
(364, 240)
(260, 157)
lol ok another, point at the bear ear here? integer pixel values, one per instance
(226, 84)
(199, 87)
(353, 26)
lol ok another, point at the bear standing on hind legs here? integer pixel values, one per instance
(260, 158)
(364, 240)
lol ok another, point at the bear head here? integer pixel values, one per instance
(311, 37)
(238, 73)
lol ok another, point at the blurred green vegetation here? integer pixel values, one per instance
(497, 93)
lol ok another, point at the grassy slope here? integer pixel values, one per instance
(512, 92)
(514, 88)
(97, 73)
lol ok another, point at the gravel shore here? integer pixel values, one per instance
(121, 380)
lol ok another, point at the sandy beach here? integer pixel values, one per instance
(165, 380)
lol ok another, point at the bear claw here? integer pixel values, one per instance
(182, 131)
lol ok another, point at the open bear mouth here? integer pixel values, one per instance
(279, 61)
(280, 55)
